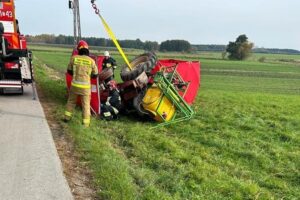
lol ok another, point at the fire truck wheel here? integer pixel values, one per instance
(142, 63)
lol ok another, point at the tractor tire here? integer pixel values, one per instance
(142, 63)
(106, 74)
(137, 104)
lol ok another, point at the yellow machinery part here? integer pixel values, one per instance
(158, 104)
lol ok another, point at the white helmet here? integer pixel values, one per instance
(106, 53)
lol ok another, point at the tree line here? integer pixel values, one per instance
(169, 45)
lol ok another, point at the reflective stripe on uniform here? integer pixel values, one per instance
(107, 114)
(86, 121)
(82, 61)
(107, 101)
(80, 82)
(83, 86)
(68, 114)
(115, 110)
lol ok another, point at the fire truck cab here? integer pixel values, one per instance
(15, 59)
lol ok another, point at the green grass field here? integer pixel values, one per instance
(243, 143)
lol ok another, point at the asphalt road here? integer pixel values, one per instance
(29, 164)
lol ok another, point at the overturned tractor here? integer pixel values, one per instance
(163, 90)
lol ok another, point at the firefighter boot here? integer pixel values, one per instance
(67, 116)
(70, 106)
(86, 122)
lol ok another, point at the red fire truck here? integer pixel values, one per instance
(15, 58)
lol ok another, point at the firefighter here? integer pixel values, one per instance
(110, 110)
(108, 61)
(82, 68)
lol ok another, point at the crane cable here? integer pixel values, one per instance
(111, 34)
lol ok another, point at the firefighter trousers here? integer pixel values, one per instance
(85, 103)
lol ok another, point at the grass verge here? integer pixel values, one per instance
(242, 144)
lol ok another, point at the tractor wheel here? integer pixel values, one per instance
(137, 104)
(106, 74)
(142, 63)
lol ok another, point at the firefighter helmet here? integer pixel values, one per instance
(82, 45)
(106, 53)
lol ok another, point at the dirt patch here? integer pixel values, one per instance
(77, 173)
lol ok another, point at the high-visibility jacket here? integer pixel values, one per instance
(82, 68)
(112, 107)
(109, 62)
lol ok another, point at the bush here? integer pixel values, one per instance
(262, 59)
(240, 49)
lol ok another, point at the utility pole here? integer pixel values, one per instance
(74, 5)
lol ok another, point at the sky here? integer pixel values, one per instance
(267, 23)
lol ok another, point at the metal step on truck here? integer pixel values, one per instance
(15, 59)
